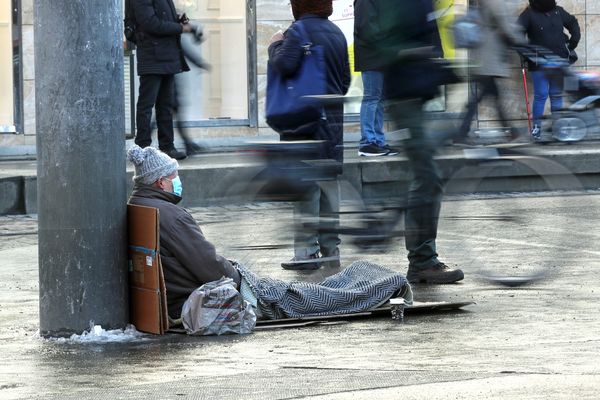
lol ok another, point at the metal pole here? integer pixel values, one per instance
(81, 164)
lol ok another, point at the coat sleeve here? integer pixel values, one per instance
(286, 55)
(148, 21)
(570, 22)
(198, 255)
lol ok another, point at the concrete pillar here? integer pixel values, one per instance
(81, 164)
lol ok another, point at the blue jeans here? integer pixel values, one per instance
(371, 109)
(544, 85)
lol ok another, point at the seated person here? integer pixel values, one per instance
(189, 260)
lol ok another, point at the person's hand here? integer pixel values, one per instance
(277, 36)
(198, 33)
(187, 27)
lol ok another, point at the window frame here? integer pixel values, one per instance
(17, 71)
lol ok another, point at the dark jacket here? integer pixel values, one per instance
(368, 33)
(545, 28)
(286, 56)
(405, 50)
(188, 259)
(158, 38)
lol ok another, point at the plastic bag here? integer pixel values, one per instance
(217, 308)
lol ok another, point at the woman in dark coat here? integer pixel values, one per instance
(285, 55)
(544, 23)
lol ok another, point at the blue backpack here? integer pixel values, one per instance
(288, 111)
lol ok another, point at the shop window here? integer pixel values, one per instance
(220, 96)
(7, 123)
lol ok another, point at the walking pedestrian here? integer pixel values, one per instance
(159, 58)
(412, 77)
(321, 201)
(544, 23)
(491, 60)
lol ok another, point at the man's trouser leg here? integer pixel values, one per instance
(425, 192)
(148, 93)
(329, 214)
(306, 211)
(164, 112)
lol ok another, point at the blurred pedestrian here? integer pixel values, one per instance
(412, 77)
(491, 59)
(159, 58)
(366, 35)
(544, 23)
(322, 201)
(192, 57)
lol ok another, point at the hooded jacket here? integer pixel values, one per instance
(188, 259)
(543, 22)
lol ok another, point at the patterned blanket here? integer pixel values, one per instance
(360, 287)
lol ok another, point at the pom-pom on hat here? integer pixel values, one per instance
(150, 164)
(321, 8)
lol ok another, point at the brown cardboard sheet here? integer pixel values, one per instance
(148, 305)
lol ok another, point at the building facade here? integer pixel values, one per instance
(228, 101)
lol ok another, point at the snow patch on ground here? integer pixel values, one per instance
(97, 334)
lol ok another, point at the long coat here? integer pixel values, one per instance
(286, 56)
(188, 259)
(492, 56)
(158, 38)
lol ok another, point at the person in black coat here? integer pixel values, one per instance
(544, 23)
(285, 55)
(411, 75)
(159, 58)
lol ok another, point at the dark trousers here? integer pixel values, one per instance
(156, 91)
(426, 188)
(488, 87)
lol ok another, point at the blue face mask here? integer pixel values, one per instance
(177, 186)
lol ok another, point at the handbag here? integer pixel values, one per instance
(467, 30)
(288, 111)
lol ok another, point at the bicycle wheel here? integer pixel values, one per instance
(506, 218)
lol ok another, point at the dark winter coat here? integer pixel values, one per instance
(544, 25)
(158, 38)
(188, 259)
(286, 57)
(368, 33)
(406, 48)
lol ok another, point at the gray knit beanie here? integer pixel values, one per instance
(150, 164)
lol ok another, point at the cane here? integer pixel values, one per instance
(524, 71)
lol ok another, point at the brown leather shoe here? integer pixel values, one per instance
(439, 273)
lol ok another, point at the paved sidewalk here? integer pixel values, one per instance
(534, 342)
